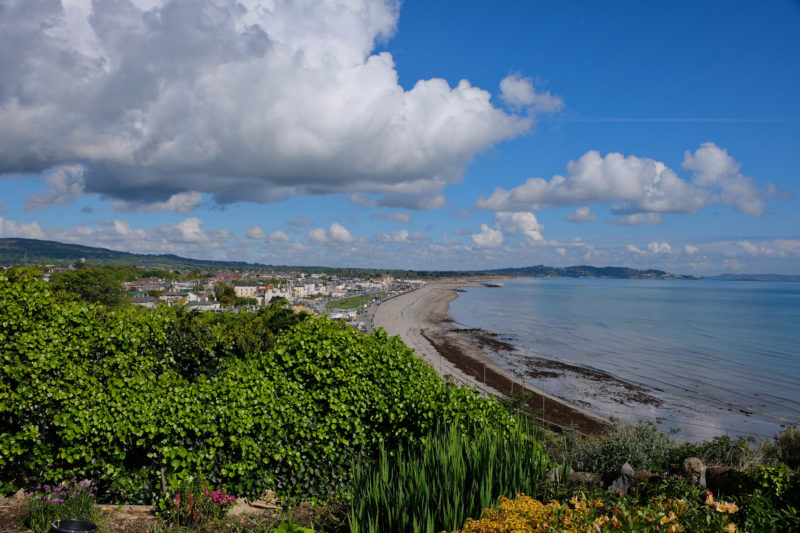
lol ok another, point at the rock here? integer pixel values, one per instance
(586, 479)
(623, 481)
(242, 507)
(695, 471)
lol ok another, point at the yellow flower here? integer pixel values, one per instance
(730, 528)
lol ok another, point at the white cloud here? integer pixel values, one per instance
(255, 233)
(183, 203)
(518, 92)
(581, 215)
(187, 237)
(397, 216)
(248, 100)
(639, 219)
(714, 167)
(317, 235)
(277, 237)
(400, 236)
(300, 222)
(776, 248)
(690, 250)
(29, 230)
(660, 248)
(335, 234)
(488, 237)
(68, 184)
(635, 249)
(633, 184)
(641, 189)
(522, 223)
(339, 233)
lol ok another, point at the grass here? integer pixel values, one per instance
(353, 302)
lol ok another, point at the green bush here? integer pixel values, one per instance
(772, 502)
(787, 448)
(449, 477)
(643, 446)
(742, 453)
(251, 402)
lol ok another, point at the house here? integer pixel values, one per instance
(172, 298)
(204, 306)
(145, 301)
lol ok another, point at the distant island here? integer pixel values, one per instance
(15, 251)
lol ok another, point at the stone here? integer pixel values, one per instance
(586, 479)
(622, 483)
(695, 471)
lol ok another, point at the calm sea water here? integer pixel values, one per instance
(722, 357)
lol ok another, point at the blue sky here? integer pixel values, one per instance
(428, 135)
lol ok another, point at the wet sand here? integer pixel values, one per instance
(420, 318)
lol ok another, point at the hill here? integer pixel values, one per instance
(32, 251)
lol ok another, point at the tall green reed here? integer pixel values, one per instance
(449, 477)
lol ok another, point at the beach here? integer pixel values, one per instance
(420, 318)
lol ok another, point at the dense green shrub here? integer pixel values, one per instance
(740, 453)
(786, 448)
(121, 396)
(771, 501)
(450, 476)
(643, 446)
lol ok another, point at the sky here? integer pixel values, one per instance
(417, 135)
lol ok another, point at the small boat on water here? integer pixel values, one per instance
(492, 284)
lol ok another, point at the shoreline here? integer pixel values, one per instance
(422, 321)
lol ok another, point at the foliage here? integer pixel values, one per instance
(741, 453)
(93, 285)
(643, 446)
(787, 448)
(451, 476)
(193, 503)
(224, 294)
(270, 400)
(69, 499)
(772, 502)
(606, 512)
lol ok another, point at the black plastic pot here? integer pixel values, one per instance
(73, 526)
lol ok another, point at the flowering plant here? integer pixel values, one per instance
(69, 499)
(194, 503)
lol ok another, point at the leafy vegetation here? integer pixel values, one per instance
(270, 400)
(95, 285)
(67, 500)
(280, 400)
(451, 475)
(193, 503)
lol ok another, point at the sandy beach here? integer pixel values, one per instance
(421, 320)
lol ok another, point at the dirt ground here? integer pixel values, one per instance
(256, 516)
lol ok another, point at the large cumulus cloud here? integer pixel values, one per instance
(246, 100)
(639, 188)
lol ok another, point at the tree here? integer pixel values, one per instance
(224, 294)
(96, 285)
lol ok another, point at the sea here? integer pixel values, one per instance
(701, 358)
